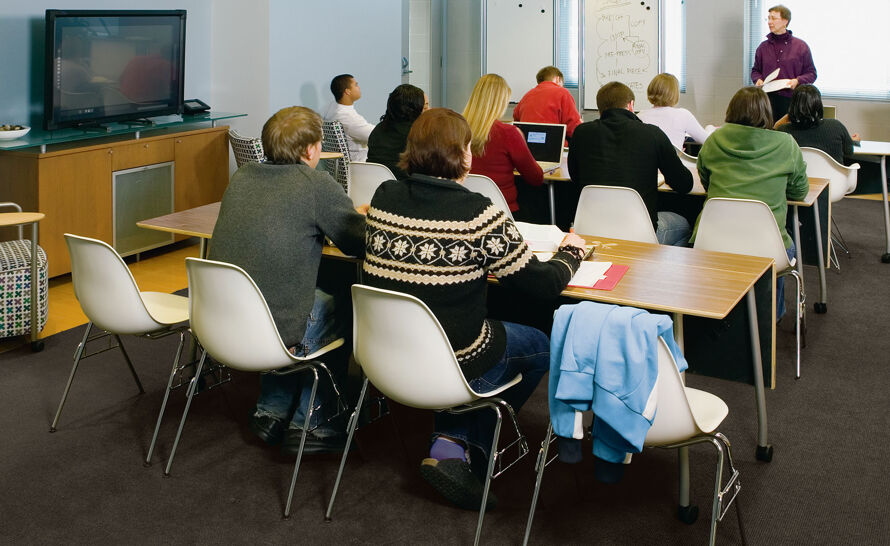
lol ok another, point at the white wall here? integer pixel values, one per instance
(313, 41)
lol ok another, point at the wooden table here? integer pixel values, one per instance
(12, 219)
(330, 155)
(882, 150)
(681, 281)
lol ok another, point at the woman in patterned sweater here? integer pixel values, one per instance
(430, 237)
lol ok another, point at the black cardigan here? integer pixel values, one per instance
(438, 241)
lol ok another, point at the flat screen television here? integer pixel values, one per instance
(112, 65)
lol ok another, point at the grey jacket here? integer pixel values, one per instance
(272, 223)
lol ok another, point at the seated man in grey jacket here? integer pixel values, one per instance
(272, 223)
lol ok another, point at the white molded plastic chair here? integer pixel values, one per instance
(480, 183)
(842, 181)
(690, 163)
(616, 212)
(233, 324)
(405, 353)
(334, 140)
(746, 226)
(111, 300)
(684, 416)
(246, 149)
(364, 179)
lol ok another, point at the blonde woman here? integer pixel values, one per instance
(664, 94)
(498, 148)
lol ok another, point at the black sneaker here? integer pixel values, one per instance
(454, 479)
(269, 429)
(314, 444)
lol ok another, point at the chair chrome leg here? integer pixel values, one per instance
(306, 421)
(193, 384)
(797, 322)
(540, 464)
(129, 363)
(154, 437)
(353, 421)
(715, 508)
(490, 471)
(77, 355)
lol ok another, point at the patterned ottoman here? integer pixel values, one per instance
(15, 288)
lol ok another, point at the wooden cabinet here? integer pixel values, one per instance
(73, 185)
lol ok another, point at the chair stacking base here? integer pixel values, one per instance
(118, 344)
(217, 370)
(724, 496)
(496, 464)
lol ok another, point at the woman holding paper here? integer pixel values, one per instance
(431, 237)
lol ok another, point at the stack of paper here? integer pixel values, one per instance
(541, 237)
(589, 273)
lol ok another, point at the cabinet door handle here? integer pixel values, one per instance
(110, 152)
(179, 141)
(145, 145)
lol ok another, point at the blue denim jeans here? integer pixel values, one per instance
(286, 397)
(528, 353)
(780, 286)
(672, 229)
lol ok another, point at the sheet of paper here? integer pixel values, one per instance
(772, 75)
(541, 237)
(589, 273)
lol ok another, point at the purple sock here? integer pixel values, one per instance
(445, 449)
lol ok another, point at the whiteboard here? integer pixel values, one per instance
(621, 43)
(518, 41)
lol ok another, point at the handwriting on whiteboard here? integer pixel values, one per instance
(623, 54)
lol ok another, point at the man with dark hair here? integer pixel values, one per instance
(346, 91)
(783, 51)
(549, 102)
(272, 223)
(620, 150)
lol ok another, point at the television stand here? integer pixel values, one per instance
(139, 122)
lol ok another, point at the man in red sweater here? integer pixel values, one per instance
(549, 102)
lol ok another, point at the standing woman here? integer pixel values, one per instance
(499, 148)
(745, 159)
(806, 125)
(664, 94)
(387, 140)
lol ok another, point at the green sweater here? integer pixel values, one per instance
(751, 163)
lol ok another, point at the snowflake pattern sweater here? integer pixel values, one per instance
(437, 240)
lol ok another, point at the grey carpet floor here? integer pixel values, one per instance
(86, 484)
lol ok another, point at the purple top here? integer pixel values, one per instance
(792, 55)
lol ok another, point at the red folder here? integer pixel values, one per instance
(613, 275)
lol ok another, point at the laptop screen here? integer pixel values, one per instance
(545, 140)
(829, 112)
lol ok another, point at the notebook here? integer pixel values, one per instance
(545, 141)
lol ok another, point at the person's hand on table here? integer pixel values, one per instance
(572, 239)
(856, 137)
(363, 209)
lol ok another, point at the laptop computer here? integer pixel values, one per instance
(545, 142)
(829, 112)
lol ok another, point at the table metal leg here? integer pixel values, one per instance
(202, 248)
(764, 449)
(678, 331)
(551, 195)
(35, 288)
(886, 208)
(795, 228)
(823, 289)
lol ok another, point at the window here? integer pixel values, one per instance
(845, 69)
(673, 42)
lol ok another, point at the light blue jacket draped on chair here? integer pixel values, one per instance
(603, 358)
